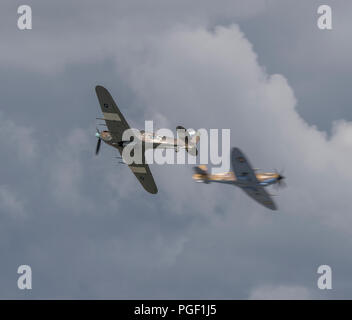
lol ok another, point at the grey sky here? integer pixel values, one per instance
(85, 226)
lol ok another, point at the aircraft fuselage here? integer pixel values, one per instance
(264, 179)
(150, 140)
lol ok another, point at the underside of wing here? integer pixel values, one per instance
(116, 123)
(145, 177)
(143, 174)
(114, 119)
(242, 168)
(260, 195)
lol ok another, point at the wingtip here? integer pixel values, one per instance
(99, 87)
(235, 149)
(152, 189)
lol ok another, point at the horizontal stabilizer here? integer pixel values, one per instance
(201, 174)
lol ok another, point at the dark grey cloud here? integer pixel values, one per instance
(84, 224)
(315, 62)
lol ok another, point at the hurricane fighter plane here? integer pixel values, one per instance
(117, 125)
(244, 177)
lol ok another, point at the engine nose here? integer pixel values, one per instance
(105, 135)
(280, 181)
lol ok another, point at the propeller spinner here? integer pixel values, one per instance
(280, 179)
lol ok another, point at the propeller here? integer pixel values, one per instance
(280, 179)
(98, 143)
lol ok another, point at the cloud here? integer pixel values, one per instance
(66, 169)
(17, 139)
(40, 51)
(190, 240)
(281, 293)
(215, 81)
(11, 204)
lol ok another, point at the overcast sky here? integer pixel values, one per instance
(260, 68)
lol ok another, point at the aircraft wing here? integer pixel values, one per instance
(247, 179)
(145, 177)
(260, 195)
(117, 124)
(242, 168)
(114, 119)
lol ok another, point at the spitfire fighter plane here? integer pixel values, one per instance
(117, 125)
(244, 177)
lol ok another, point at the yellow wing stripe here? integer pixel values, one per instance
(111, 116)
(138, 169)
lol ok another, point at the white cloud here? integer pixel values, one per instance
(212, 79)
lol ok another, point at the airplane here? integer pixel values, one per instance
(116, 125)
(244, 177)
